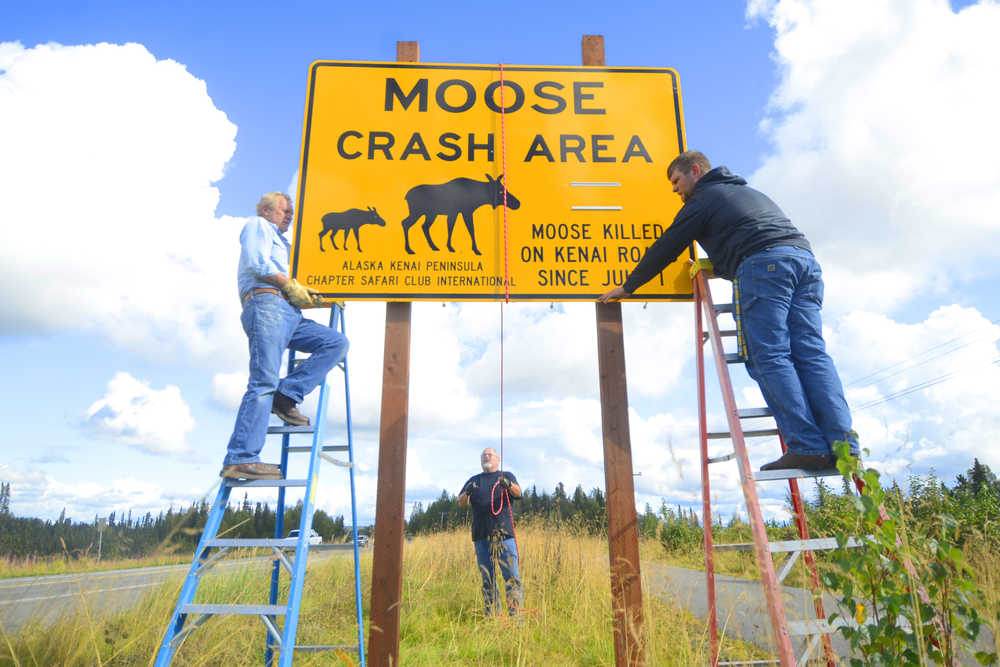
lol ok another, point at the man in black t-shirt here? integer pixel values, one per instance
(490, 493)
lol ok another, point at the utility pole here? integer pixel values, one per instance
(101, 523)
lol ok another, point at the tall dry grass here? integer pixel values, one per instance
(566, 619)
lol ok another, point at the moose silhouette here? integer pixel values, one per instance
(457, 196)
(348, 221)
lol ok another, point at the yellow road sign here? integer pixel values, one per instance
(405, 169)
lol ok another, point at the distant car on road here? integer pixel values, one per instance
(314, 537)
(362, 540)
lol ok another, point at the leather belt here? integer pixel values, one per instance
(261, 290)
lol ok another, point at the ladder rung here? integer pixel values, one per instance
(266, 482)
(785, 546)
(734, 358)
(753, 413)
(249, 609)
(288, 428)
(326, 448)
(815, 627)
(724, 333)
(793, 473)
(255, 542)
(814, 544)
(723, 308)
(349, 546)
(725, 457)
(752, 433)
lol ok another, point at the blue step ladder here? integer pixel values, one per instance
(278, 639)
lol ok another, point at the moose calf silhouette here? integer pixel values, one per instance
(348, 221)
(459, 195)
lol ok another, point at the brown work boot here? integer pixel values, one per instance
(285, 408)
(791, 460)
(251, 471)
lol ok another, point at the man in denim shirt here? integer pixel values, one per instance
(778, 292)
(273, 321)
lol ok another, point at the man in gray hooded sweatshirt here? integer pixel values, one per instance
(778, 292)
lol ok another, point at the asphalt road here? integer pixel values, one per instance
(45, 599)
(742, 608)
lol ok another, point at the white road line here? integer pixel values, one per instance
(78, 593)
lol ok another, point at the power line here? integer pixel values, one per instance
(914, 388)
(913, 365)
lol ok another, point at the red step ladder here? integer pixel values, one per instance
(707, 311)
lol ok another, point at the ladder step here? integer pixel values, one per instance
(752, 413)
(785, 546)
(824, 627)
(753, 433)
(249, 609)
(793, 473)
(723, 308)
(288, 428)
(725, 457)
(326, 448)
(724, 333)
(816, 627)
(266, 482)
(255, 542)
(349, 546)
(734, 358)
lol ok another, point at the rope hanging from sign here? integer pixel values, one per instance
(504, 496)
(506, 263)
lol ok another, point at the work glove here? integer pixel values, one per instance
(505, 482)
(468, 488)
(696, 265)
(301, 296)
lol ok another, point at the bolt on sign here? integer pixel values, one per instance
(408, 168)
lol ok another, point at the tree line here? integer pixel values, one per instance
(973, 500)
(127, 536)
(586, 510)
(970, 507)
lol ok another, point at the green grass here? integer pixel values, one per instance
(567, 617)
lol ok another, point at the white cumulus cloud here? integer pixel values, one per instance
(883, 145)
(153, 420)
(109, 159)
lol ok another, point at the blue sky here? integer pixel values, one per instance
(137, 137)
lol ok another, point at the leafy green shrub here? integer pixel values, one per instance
(907, 596)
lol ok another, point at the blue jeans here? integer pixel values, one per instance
(506, 558)
(778, 293)
(272, 325)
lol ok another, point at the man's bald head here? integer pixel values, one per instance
(490, 460)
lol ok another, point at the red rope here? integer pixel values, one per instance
(503, 153)
(504, 495)
(506, 266)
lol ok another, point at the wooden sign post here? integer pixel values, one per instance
(623, 534)
(387, 559)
